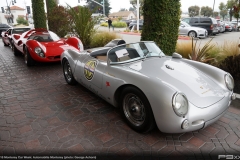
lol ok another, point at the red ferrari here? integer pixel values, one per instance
(43, 46)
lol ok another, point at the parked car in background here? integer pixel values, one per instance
(236, 24)
(228, 27)
(210, 24)
(175, 94)
(4, 27)
(128, 21)
(134, 23)
(220, 26)
(43, 46)
(7, 36)
(186, 29)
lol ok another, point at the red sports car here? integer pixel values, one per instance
(43, 46)
(7, 36)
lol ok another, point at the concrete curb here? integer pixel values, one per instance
(131, 33)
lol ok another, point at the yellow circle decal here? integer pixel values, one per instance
(89, 69)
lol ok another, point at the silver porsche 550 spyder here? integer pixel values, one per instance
(176, 94)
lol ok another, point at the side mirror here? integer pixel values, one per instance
(182, 26)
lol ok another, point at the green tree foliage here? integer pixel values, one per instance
(131, 9)
(59, 21)
(193, 11)
(230, 4)
(215, 14)
(161, 23)
(123, 9)
(96, 8)
(236, 10)
(82, 24)
(223, 9)
(206, 11)
(51, 5)
(134, 4)
(21, 20)
(39, 15)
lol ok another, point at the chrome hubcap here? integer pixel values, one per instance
(191, 34)
(67, 71)
(134, 109)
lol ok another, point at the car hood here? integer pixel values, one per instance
(54, 48)
(199, 88)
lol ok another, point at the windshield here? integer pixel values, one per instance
(45, 37)
(19, 30)
(185, 24)
(134, 51)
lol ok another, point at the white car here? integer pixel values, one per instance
(186, 29)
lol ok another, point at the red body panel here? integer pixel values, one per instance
(52, 50)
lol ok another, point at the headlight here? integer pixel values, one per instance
(229, 81)
(38, 50)
(180, 104)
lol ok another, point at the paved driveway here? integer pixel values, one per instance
(41, 115)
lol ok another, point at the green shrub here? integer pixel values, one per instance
(104, 24)
(116, 24)
(82, 24)
(23, 21)
(99, 39)
(193, 50)
(119, 24)
(231, 64)
(58, 21)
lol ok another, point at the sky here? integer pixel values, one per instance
(118, 4)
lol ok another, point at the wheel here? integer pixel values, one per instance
(12, 45)
(192, 34)
(136, 110)
(16, 52)
(4, 43)
(67, 71)
(29, 61)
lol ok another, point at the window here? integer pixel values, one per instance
(186, 20)
(205, 20)
(194, 20)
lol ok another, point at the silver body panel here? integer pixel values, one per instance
(159, 78)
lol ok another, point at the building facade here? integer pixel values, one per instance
(12, 16)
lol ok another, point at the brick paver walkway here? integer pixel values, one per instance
(41, 115)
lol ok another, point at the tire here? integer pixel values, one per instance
(136, 110)
(67, 72)
(192, 34)
(29, 61)
(16, 52)
(4, 43)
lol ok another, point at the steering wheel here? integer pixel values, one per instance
(36, 37)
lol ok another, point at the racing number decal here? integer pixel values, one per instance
(89, 69)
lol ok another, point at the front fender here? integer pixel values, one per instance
(215, 73)
(72, 56)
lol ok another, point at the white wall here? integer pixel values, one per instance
(131, 16)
